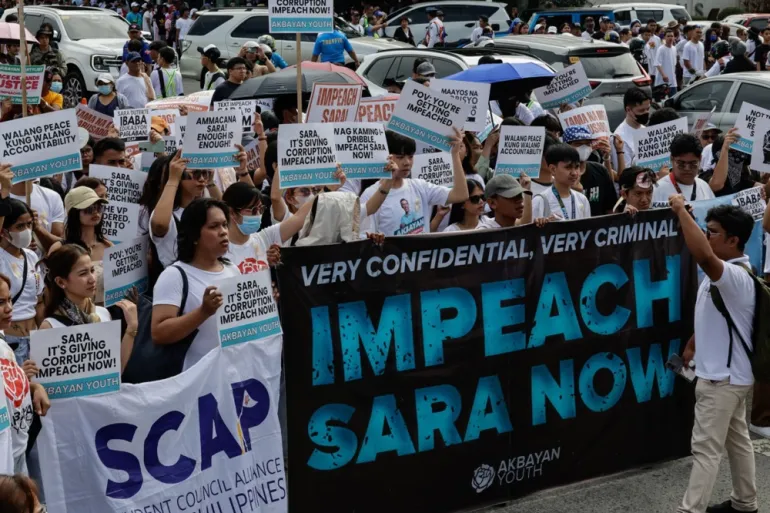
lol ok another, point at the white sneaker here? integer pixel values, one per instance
(761, 431)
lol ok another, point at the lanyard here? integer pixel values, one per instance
(676, 186)
(561, 203)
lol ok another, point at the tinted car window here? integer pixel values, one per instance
(610, 66)
(623, 17)
(754, 94)
(252, 28)
(649, 14)
(445, 67)
(557, 20)
(32, 22)
(379, 70)
(403, 68)
(457, 13)
(205, 24)
(678, 14)
(759, 23)
(705, 96)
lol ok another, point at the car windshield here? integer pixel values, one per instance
(398, 12)
(95, 26)
(345, 27)
(610, 66)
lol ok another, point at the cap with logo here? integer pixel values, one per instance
(210, 51)
(134, 28)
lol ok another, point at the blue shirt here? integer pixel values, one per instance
(134, 17)
(145, 52)
(331, 46)
(278, 61)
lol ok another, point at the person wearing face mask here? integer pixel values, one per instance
(686, 153)
(596, 182)
(108, 100)
(637, 105)
(738, 176)
(51, 99)
(635, 27)
(636, 186)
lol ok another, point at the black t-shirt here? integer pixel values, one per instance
(224, 91)
(738, 65)
(599, 189)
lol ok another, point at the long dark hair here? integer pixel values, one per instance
(18, 209)
(192, 222)
(59, 265)
(457, 214)
(73, 233)
(17, 494)
(157, 177)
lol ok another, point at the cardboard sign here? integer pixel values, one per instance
(125, 267)
(475, 95)
(124, 185)
(334, 103)
(249, 312)
(435, 168)
(747, 120)
(428, 116)
(252, 154)
(570, 85)
(78, 361)
(181, 129)
(492, 121)
(10, 83)
(42, 145)
(247, 108)
(701, 120)
(653, 143)
(592, 116)
(306, 155)
(301, 17)
(265, 103)
(133, 124)
(210, 139)
(751, 202)
(760, 152)
(120, 221)
(362, 150)
(97, 124)
(169, 116)
(520, 150)
(376, 110)
(195, 102)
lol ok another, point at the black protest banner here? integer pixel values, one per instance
(440, 373)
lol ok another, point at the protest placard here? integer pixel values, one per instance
(168, 115)
(435, 168)
(592, 116)
(125, 267)
(701, 120)
(120, 221)
(247, 108)
(42, 145)
(248, 312)
(181, 129)
(311, 16)
(746, 122)
(334, 103)
(520, 150)
(78, 361)
(210, 141)
(122, 184)
(751, 202)
(133, 124)
(265, 103)
(362, 150)
(653, 143)
(252, 154)
(760, 152)
(492, 121)
(428, 116)
(475, 95)
(196, 102)
(10, 83)
(568, 86)
(376, 110)
(306, 155)
(97, 124)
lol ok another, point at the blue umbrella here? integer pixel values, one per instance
(507, 78)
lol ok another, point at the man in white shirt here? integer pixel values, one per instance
(637, 104)
(478, 31)
(665, 64)
(692, 56)
(147, 21)
(721, 52)
(724, 316)
(686, 152)
(508, 200)
(589, 31)
(435, 30)
(210, 56)
(183, 25)
(355, 22)
(167, 80)
(135, 85)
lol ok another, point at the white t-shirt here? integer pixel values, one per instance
(475, 35)
(134, 89)
(586, 35)
(147, 22)
(706, 157)
(18, 399)
(716, 69)
(524, 114)
(626, 132)
(208, 85)
(166, 245)
(455, 227)
(183, 26)
(666, 58)
(168, 291)
(651, 51)
(665, 188)
(694, 54)
(24, 307)
(712, 337)
(251, 257)
(103, 313)
(406, 210)
(172, 80)
(49, 207)
(680, 47)
(537, 188)
(576, 201)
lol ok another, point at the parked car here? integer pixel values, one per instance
(757, 20)
(460, 18)
(705, 25)
(726, 94)
(624, 14)
(229, 28)
(558, 17)
(90, 40)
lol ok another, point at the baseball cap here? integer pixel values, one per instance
(577, 133)
(210, 51)
(426, 69)
(250, 44)
(266, 49)
(505, 186)
(605, 19)
(712, 126)
(552, 30)
(81, 197)
(105, 78)
(439, 12)
(159, 124)
(134, 4)
(193, 11)
(378, 13)
(133, 56)
(134, 28)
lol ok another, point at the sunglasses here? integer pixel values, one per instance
(96, 208)
(197, 174)
(707, 137)
(307, 191)
(476, 198)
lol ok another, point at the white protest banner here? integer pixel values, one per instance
(746, 122)
(760, 152)
(492, 121)
(125, 267)
(10, 83)
(210, 139)
(334, 103)
(653, 143)
(362, 150)
(195, 102)
(594, 117)
(248, 312)
(751, 202)
(568, 86)
(133, 124)
(475, 95)
(520, 150)
(701, 120)
(171, 144)
(42, 145)
(306, 155)
(181, 129)
(120, 221)
(265, 103)
(122, 184)
(302, 17)
(428, 116)
(376, 110)
(435, 168)
(252, 154)
(79, 360)
(168, 115)
(97, 124)
(207, 439)
(247, 108)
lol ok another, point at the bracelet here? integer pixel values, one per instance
(262, 138)
(383, 191)
(620, 152)
(241, 175)
(211, 185)
(133, 333)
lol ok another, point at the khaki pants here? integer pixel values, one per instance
(720, 423)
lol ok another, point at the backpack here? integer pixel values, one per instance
(760, 330)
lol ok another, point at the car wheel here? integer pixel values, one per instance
(74, 88)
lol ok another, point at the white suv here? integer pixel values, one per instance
(228, 28)
(90, 40)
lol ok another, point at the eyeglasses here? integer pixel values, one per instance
(197, 174)
(711, 233)
(96, 208)
(692, 165)
(476, 198)
(707, 137)
(253, 211)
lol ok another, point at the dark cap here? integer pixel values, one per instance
(439, 13)
(133, 56)
(484, 18)
(134, 28)
(210, 51)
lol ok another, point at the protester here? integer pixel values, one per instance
(466, 215)
(331, 47)
(214, 76)
(236, 71)
(589, 25)
(720, 52)
(596, 181)
(707, 137)
(108, 99)
(510, 202)
(167, 81)
(255, 55)
(43, 53)
(276, 58)
(135, 85)
(134, 17)
(734, 175)
(636, 103)
(693, 55)
(403, 33)
(111, 151)
(51, 99)
(551, 124)
(683, 179)
(561, 200)
(135, 34)
(355, 22)
(183, 25)
(477, 32)
(636, 187)
(665, 63)
(148, 22)
(739, 63)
